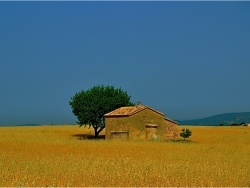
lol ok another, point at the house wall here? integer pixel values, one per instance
(135, 124)
(115, 124)
(138, 121)
(171, 130)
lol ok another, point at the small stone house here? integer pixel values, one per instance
(139, 123)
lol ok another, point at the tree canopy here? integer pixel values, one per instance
(91, 105)
(185, 133)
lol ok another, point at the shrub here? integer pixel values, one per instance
(185, 133)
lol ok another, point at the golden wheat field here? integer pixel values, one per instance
(62, 156)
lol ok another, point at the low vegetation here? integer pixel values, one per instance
(68, 156)
(185, 133)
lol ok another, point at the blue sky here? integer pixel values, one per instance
(186, 59)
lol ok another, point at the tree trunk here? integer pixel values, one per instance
(97, 131)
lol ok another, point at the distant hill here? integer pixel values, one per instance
(226, 119)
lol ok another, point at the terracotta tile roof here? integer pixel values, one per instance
(170, 120)
(130, 110)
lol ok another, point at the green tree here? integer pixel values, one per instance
(234, 124)
(185, 133)
(91, 105)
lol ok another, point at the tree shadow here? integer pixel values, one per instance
(180, 141)
(88, 137)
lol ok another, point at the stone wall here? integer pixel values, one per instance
(121, 135)
(171, 130)
(115, 124)
(138, 121)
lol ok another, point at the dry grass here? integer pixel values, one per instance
(52, 156)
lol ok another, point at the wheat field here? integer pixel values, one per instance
(66, 156)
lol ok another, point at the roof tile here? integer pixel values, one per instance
(129, 110)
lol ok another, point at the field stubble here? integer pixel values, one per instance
(53, 156)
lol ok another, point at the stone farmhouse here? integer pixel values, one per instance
(139, 123)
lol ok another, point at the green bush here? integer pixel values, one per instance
(185, 133)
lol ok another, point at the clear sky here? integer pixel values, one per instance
(186, 59)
